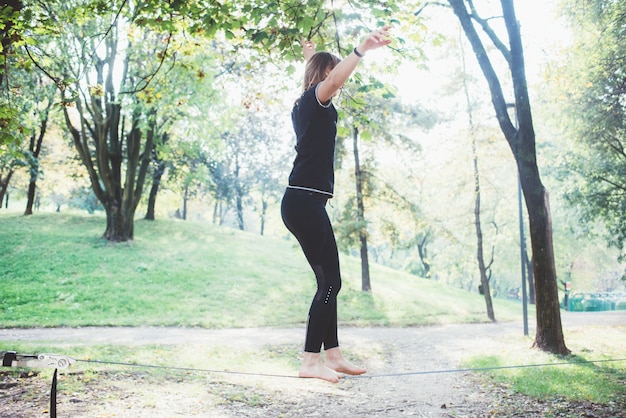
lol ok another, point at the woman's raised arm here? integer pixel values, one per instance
(340, 74)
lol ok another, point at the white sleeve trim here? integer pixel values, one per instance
(318, 100)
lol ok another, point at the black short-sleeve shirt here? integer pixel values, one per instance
(315, 126)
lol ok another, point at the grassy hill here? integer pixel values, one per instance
(55, 270)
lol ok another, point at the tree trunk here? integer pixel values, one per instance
(485, 289)
(238, 192)
(549, 335)
(154, 189)
(223, 210)
(422, 251)
(35, 151)
(30, 195)
(101, 177)
(484, 280)
(531, 279)
(366, 285)
(185, 198)
(239, 205)
(115, 223)
(263, 213)
(159, 168)
(4, 185)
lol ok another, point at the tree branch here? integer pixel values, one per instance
(484, 24)
(430, 3)
(148, 78)
(495, 88)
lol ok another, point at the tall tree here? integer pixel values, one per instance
(30, 97)
(376, 119)
(180, 97)
(484, 268)
(42, 112)
(521, 140)
(110, 149)
(101, 69)
(366, 285)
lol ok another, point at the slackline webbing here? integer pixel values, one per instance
(365, 376)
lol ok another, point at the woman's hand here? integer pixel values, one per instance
(376, 39)
(308, 48)
(340, 74)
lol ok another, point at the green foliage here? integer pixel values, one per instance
(9, 125)
(349, 226)
(12, 26)
(267, 26)
(14, 126)
(57, 271)
(11, 158)
(592, 82)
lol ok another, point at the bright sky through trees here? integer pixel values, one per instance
(542, 29)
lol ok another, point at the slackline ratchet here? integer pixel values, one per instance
(36, 361)
(39, 361)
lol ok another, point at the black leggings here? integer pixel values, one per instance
(304, 214)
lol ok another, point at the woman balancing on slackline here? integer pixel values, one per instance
(310, 185)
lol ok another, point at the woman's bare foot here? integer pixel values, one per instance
(335, 361)
(313, 367)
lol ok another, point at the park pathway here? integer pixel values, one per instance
(415, 375)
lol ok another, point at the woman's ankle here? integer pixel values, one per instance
(333, 354)
(309, 358)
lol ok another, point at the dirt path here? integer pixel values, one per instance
(407, 369)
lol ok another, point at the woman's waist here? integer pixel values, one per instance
(309, 191)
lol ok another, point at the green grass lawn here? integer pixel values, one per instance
(57, 271)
